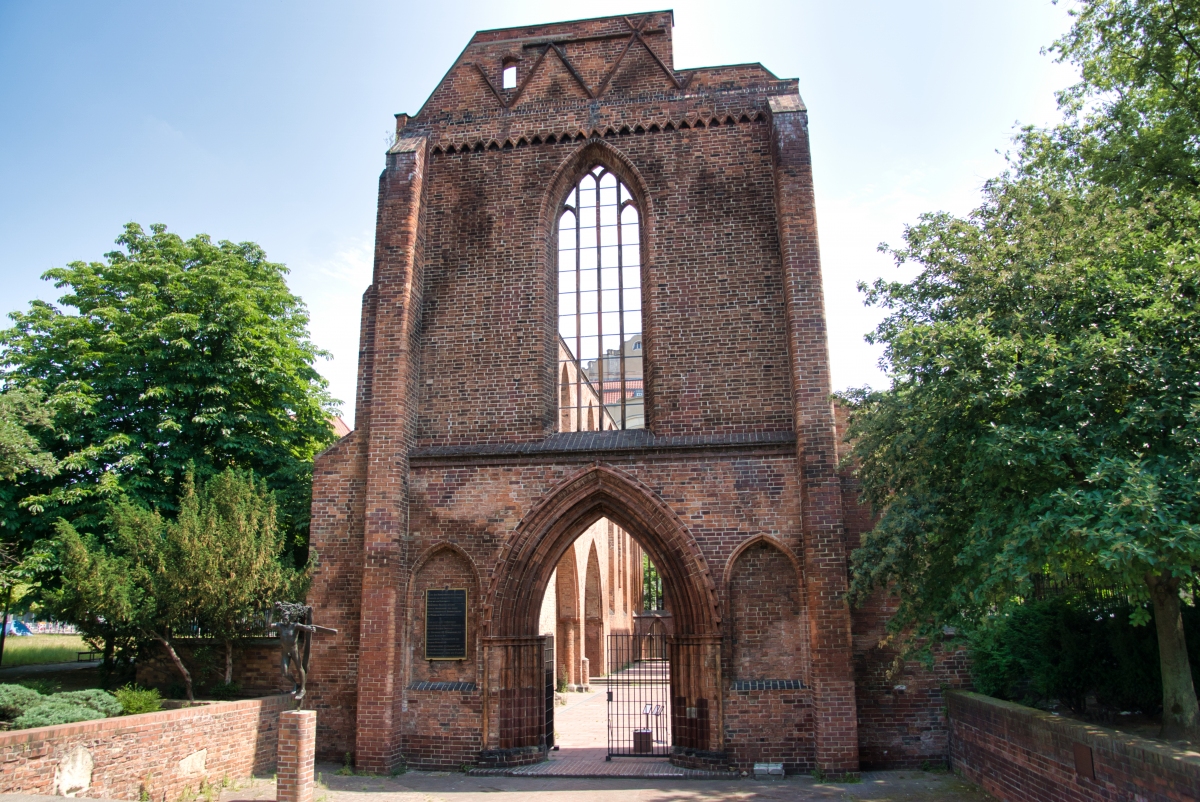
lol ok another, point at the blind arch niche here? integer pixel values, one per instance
(601, 362)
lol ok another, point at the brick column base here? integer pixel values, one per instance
(297, 745)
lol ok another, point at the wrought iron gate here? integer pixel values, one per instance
(548, 654)
(639, 708)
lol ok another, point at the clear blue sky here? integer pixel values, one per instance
(266, 121)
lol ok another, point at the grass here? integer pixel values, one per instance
(29, 650)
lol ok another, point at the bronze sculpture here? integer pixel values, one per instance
(295, 642)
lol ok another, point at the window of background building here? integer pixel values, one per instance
(600, 307)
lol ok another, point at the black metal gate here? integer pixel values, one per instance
(548, 654)
(639, 708)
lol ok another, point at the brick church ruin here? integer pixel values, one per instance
(597, 311)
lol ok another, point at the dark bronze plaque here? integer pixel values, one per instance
(445, 625)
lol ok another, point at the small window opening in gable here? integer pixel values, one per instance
(509, 80)
(600, 307)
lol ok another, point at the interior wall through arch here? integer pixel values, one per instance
(575, 608)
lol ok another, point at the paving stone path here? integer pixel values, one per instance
(887, 786)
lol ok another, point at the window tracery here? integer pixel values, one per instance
(600, 307)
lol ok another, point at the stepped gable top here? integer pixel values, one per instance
(583, 78)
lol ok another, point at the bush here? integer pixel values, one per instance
(42, 686)
(96, 699)
(136, 700)
(1068, 648)
(225, 690)
(50, 713)
(16, 699)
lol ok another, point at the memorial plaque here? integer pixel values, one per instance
(445, 624)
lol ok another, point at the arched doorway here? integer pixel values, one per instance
(514, 704)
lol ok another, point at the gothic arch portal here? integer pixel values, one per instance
(544, 535)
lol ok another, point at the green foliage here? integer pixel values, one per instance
(224, 690)
(169, 354)
(1068, 649)
(652, 587)
(16, 699)
(26, 708)
(1044, 415)
(215, 564)
(1133, 121)
(135, 700)
(46, 687)
(96, 699)
(20, 451)
(50, 713)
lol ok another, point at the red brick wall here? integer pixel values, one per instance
(770, 726)
(136, 754)
(1020, 754)
(255, 666)
(767, 622)
(441, 729)
(901, 710)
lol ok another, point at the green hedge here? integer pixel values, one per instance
(25, 707)
(1069, 648)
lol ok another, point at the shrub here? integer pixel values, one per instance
(42, 686)
(16, 699)
(1069, 648)
(136, 700)
(225, 690)
(50, 713)
(96, 699)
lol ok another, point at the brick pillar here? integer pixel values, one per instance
(825, 566)
(389, 432)
(297, 746)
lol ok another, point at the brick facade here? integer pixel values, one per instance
(457, 471)
(256, 668)
(158, 756)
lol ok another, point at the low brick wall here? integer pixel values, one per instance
(255, 665)
(1020, 754)
(161, 754)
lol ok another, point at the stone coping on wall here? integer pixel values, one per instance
(1021, 753)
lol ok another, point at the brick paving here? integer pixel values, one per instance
(890, 786)
(581, 731)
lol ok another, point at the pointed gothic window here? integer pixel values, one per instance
(600, 307)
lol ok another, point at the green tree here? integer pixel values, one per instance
(20, 450)
(212, 568)
(138, 582)
(229, 525)
(168, 354)
(1133, 121)
(1044, 414)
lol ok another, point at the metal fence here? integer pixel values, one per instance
(639, 708)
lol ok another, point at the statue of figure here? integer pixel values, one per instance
(295, 642)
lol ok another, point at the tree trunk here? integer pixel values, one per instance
(187, 677)
(228, 663)
(4, 623)
(1181, 713)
